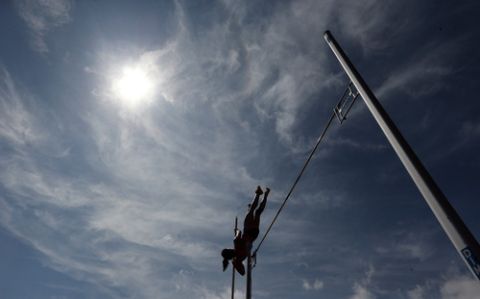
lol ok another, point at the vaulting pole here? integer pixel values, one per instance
(463, 240)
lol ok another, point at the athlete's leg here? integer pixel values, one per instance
(249, 218)
(262, 205)
(249, 221)
(254, 204)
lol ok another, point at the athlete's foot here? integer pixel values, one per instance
(259, 191)
(267, 190)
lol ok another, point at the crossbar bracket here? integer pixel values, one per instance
(346, 102)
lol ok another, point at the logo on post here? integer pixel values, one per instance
(472, 261)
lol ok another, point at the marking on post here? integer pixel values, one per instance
(472, 261)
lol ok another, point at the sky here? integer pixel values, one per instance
(132, 133)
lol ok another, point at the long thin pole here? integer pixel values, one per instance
(249, 275)
(463, 240)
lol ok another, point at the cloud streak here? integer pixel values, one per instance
(43, 16)
(314, 285)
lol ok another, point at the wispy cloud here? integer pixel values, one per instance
(361, 289)
(43, 16)
(451, 286)
(315, 285)
(407, 245)
(421, 78)
(361, 292)
(426, 72)
(460, 287)
(15, 124)
(226, 294)
(416, 293)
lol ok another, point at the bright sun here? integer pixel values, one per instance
(133, 87)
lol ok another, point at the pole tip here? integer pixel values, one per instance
(327, 35)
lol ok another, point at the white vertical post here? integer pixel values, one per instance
(463, 240)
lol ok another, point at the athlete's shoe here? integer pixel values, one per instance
(267, 190)
(259, 191)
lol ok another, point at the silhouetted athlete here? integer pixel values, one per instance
(243, 242)
(251, 223)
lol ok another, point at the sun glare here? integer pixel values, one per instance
(133, 87)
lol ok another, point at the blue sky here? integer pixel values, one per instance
(114, 191)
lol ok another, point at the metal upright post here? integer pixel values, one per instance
(233, 282)
(233, 268)
(463, 240)
(249, 275)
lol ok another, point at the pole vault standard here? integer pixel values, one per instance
(463, 240)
